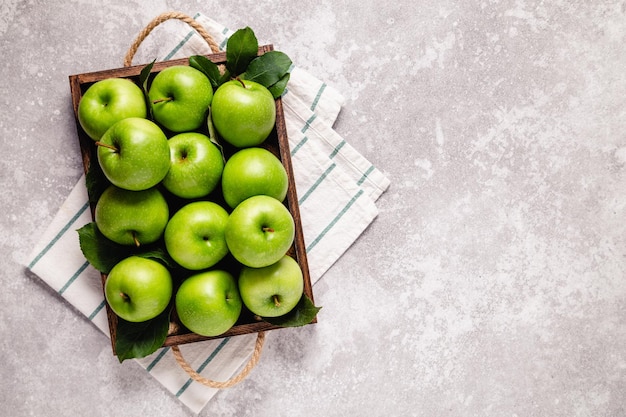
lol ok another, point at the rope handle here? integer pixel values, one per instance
(162, 18)
(258, 346)
(254, 359)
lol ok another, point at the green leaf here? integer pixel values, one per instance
(303, 313)
(207, 67)
(225, 77)
(137, 340)
(144, 75)
(278, 88)
(103, 254)
(99, 251)
(268, 69)
(159, 254)
(241, 48)
(213, 136)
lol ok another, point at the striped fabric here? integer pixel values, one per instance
(337, 189)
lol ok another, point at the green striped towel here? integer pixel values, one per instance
(337, 189)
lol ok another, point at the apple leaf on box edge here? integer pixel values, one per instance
(137, 340)
(207, 67)
(241, 48)
(102, 253)
(144, 75)
(302, 314)
(268, 69)
(213, 135)
(278, 88)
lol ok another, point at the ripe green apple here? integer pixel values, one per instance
(208, 303)
(274, 290)
(138, 289)
(243, 112)
(108, 101)
(180, 97)
(194, 236)
(259, 231)
(196, 165)
(134, 154)
(131, 217)
(253, 171)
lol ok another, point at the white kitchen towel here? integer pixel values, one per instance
(337, 189)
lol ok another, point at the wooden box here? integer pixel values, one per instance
(277, 143)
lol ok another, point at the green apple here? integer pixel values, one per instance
(208, 303)
(108, 101)
(253, 171)
(196, 165)
(131, 217)
(180, 97)
(273, 290)
(194, 236)
(138, 289)
(243, 112)
(134, 154)
(259, 231)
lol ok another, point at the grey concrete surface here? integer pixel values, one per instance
(492, 283)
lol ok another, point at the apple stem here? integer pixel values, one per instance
(241, 81)
(268, 229)
(276, 302)
(137, 244)
(125, 297)
(161, 100)
(106, 145)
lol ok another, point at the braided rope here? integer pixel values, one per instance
(162, 18)
(254, 359)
